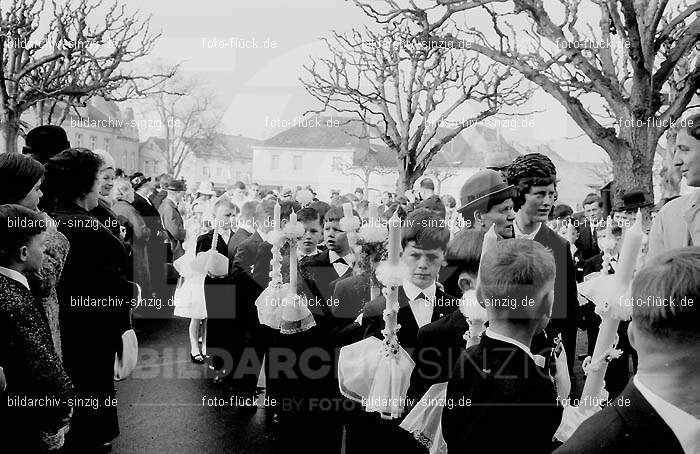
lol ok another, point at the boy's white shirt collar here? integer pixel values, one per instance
(412, 291)
(349, 257)
(685, 426)
(537, 359)
(422, 310)
(15, 276)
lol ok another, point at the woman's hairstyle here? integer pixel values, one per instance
(121, 186)
(70, 175)
(18, 225)
(562, 211)
(18, 175)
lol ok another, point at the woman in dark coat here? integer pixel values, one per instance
(94, 296)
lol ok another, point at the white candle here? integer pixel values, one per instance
(631, 244)
(394, 245)
(292, 217)
(293, 268)
(373, 213)
(347, 210)
(277, 216)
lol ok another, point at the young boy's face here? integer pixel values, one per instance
(225, 219)
(423, 264)
(33, 253)
(335, 238)
(313, 234)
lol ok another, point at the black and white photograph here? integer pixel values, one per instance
(350, 226)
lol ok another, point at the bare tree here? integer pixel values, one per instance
(441, 174)
(184, 118)
(623, 63)
(363, 167)
(403, 91)
(76, 54)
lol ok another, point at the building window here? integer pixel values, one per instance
(93, 142)
(205, 171)
(297, 162)
(275, 163)
(134, 162)
(219, 172)
(124, 162)
(106, 144)
(79, 139)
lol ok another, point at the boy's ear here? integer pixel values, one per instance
(466, 282)
(23, 253)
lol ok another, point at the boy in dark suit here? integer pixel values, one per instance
(424, 240)
(500, 399)
(659, 410)
(440, 343)
(224, 318)
(32, 368)
(327, 267)
(246, 224)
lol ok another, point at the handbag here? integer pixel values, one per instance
(125, 361)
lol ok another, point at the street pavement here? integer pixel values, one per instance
(168, 405)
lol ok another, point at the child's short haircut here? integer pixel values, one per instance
(308, 214)
(666, 296)
(265, 210)
(225, 201)
(426, 230)
(248, 209)
(515, 269)
(335, 214)
(18, 225)
(462, 256)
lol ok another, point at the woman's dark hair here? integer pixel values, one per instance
(18, 175)
(70, 175)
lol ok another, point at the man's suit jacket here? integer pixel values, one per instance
(253, 257)
(513, 405)
(237, 238)
(623, 429)
(565, 310)
(150, 215)
(676, 225)
(587, 243)
(174, 226)
(157, 197)
(438, 346)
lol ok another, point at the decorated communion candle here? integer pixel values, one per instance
(277, 216)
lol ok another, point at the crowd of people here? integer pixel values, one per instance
(82, 244)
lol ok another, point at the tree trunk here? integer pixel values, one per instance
(670, 174)
(9, 130)
(632, 171)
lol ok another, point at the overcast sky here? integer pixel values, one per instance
(259, 86)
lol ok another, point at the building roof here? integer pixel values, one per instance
(320, 135)
(225, 146)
